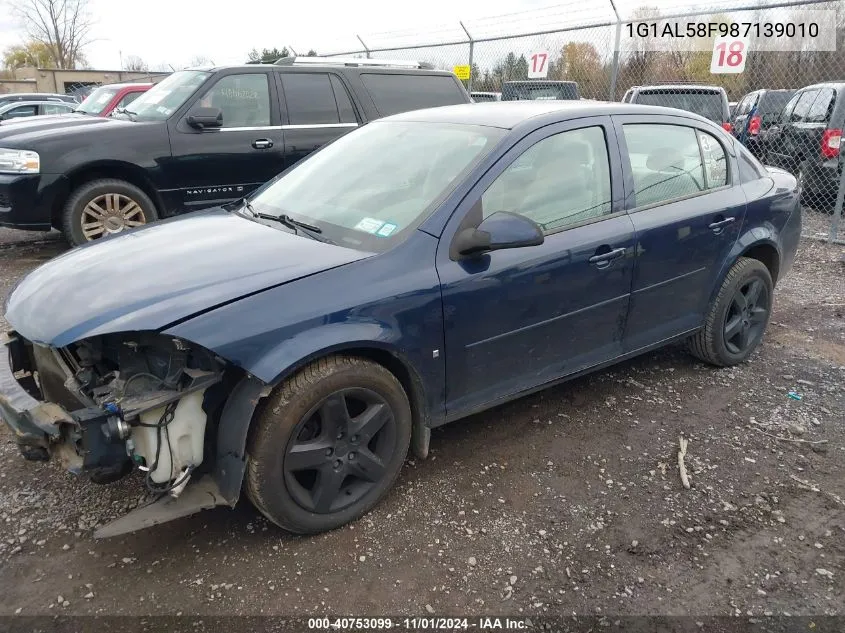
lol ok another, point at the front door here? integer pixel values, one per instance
(516, 319)
(214, 166)
(687, 209)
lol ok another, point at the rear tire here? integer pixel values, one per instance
(736, 320)
(328, 444)
(105, 207)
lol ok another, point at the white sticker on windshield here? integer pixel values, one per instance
(386, 229)
(369, 225)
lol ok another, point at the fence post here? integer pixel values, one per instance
(471, 47)
(366, 50)
(837, 211)
(614, 71)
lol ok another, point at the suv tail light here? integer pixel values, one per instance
(830, 143)
(754, 125)
(727, 127)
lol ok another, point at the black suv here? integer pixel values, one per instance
(711, 102)
(539, 90)
(807, 138)
(755, 113)
(199, 138)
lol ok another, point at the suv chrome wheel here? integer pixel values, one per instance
(110, 213)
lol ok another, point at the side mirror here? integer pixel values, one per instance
(202, 118)
(499, 231)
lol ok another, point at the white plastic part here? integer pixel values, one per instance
(186, 433)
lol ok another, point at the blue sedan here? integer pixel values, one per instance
(425, 267)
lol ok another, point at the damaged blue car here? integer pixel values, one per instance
(296, 345)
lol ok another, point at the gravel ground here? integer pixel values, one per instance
(565, 502)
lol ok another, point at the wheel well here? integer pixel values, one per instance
(768, 256)
(120, 171)
(409, 381)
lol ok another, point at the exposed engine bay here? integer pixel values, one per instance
(136, 399)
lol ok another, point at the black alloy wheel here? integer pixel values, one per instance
(338, 451)
(747, 316)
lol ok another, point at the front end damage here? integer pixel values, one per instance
(107, 404)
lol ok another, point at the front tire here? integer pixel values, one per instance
(736, 320)
(328, 444)
(104, 207)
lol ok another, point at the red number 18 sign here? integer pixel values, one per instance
(538, 65)
(729, 55)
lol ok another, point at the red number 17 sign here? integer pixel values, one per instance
(538, 65)
(729, 55)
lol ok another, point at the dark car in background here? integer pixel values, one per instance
(14, 110)
(419, 270)
(756, 112)
(807, 139)
(108, 98)
(197, 139)
(540, 90)
(711, 102)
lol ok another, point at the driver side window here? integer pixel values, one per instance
(244, 100)
(560, 181)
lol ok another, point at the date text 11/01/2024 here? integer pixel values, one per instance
(423, 623)
(683, 30)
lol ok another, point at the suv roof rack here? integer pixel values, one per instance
(350, 61)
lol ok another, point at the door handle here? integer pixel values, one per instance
(720, 224)
(262, 143)
(602, 260)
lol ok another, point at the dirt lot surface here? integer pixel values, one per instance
(565, 502)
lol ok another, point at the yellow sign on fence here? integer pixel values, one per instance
(462, 72)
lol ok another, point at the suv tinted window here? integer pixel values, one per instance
(393, 93)
(57, 108)
(706, 103)
(802, 107)
(344, 103)
(665, 161)
(773, 103)
(27, 110)
(746, 104)
(244, 100)
(786, 113)
(311, 99)
(562, 180)
(821, 109)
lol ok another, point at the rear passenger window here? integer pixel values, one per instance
(394, 93)
(821, 109)
(310, 99)
(665, 162)
(562, 180)
(802, 107)
(344, 103)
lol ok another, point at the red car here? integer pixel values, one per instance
(105, 99)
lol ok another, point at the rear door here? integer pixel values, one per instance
(683, 196)
(793, 141)
(214, 166)
(316, 108)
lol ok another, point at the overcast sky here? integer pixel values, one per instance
(174, 32)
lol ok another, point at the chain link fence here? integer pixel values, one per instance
(773, 106)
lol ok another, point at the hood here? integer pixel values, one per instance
(27, 129)
(151, 277)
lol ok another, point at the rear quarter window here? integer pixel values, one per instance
(394, 93)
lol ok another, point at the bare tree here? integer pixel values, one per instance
(63, 26)
(135, 63)
(201, 60)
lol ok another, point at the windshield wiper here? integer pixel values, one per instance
(297, 225)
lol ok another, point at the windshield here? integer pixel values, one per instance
(372, 186)
(167, 96)
(707, 104)
(97, 101)
(540, 90)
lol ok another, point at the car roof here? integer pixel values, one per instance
(825, 84)
(126, 85)
(678, 87)
(509, 114)
(250, 68)
(16, 104)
